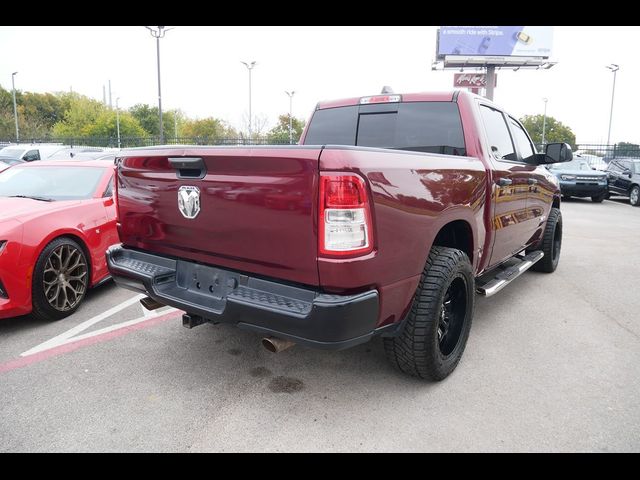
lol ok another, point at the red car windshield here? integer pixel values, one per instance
(50, 182)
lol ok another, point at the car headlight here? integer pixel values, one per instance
(568, 177)
(2, 244)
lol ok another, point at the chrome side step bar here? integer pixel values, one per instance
(508, 275)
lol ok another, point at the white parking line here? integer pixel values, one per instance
(72, 334)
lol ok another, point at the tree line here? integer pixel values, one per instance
(70, 114)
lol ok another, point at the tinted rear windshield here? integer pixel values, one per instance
(433, 127)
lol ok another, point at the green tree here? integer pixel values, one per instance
(280, 133)
(80, 117)
(555, 131)
(37, 113)
(207, 128)
(43, 109)
(148, 116)
(105, 125)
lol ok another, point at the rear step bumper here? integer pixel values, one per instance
(508, 275)
(302, 315)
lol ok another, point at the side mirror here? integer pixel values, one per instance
(627, 172)
(558, 152)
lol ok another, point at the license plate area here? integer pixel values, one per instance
(211, 282)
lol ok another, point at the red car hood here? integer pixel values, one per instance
(24, 209)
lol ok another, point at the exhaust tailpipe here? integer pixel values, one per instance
(276, 345)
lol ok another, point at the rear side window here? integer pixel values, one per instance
(433, 127)
(31, 155)
(336, 126)
(109, 191)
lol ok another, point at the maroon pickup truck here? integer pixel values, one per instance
(387, 219)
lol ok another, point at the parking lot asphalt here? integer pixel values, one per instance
(552, 364)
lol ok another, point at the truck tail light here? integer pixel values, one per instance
(115, 189)
(345, 226)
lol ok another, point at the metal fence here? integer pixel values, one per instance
(609, 152)
(606, 152)
(126, 142)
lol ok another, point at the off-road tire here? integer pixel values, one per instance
(420, 349)
(551, 243)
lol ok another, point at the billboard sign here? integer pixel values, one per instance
(471, 80)
(515, 41)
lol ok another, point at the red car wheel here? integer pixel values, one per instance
(60, 279)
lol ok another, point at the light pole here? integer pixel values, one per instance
(544, 119)
(15, 108)
(291, 93)
(158, 34)
(118, 120)
(249, 67)
(614, 68)
(175, 125)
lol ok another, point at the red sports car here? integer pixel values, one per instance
(57, 218)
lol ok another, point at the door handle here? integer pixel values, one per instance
(503, 182)
(532, 181)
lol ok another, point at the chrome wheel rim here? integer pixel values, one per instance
(65, 278)
(635, 193)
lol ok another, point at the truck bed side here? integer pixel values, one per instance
(415, 195)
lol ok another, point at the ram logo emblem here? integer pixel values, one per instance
(189, 201)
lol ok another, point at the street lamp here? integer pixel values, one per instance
(614, 68)
(249, 67)
(118, 120)
(544, 119)
(158, 34)
(15, 108)
(175, 125)
(291, 93)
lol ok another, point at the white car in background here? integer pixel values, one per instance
(594, 161)
(31, 152)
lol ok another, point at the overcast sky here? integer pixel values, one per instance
(203, 76)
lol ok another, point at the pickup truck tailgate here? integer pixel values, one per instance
(257, 207)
